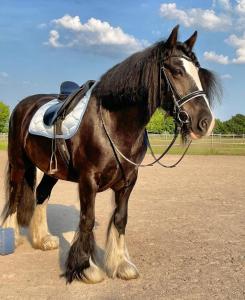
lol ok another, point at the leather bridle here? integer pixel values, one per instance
(180, 116)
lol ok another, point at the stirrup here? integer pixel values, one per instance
(51, 169)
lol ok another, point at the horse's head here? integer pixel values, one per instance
(188, 86)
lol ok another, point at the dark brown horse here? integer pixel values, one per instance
(165, 75)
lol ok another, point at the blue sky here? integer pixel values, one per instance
(44, 42)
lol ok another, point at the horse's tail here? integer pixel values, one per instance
(20, 181)
(19, 193)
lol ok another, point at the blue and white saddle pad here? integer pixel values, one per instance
(70, 124)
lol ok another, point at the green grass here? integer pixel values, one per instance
(3, 145)
(202, 147)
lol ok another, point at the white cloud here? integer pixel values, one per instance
(239, 45)
(226, 76)
(218, 58)
(224, 4)
(205, 18)
(53, 40)
(240, 7)
(70, 22)
(236, 42)
(96, 35)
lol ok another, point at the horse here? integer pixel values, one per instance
(165, 75)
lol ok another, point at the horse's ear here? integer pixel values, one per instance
(191, 41)
(172, 39)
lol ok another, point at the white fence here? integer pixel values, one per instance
(235, 139)
(214, 141)
(3, 136)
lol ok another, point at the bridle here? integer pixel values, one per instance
(179, 114)
(181, 118)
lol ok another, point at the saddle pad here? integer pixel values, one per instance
(70, 124)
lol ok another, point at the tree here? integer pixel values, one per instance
(159, 123)
(4, 117)
(235, 125)
(219, 127)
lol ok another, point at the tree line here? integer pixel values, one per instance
(4, 117)
(160, 123)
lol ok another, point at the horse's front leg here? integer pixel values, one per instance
(81, 261)
(117, 261)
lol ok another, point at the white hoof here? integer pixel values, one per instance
(48, 242)
(93, 274)
(127, 270)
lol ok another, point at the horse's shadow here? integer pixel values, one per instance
(63, 222)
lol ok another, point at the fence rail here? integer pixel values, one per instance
(213, 144)
(3, 136)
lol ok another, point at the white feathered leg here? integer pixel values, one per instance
(38, 229)
(117, 261)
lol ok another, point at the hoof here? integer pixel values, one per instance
(87, 273)
(93, 274)
(48, 242)
(127, 270)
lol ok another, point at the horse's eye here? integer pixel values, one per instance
(177, 72)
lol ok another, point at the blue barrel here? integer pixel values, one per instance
(7, 244)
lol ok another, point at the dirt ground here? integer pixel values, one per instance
(186, 235)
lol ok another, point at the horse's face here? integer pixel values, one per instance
(183, 74)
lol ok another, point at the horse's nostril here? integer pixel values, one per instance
(203, 124)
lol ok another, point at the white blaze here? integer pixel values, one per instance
(192, 70)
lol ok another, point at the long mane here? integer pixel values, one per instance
(132, 81)
(137, 78)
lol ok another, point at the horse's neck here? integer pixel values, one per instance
(128, 125)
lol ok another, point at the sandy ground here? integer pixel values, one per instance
(186, 234)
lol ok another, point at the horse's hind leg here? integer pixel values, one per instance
(20, 185)
(81, 263)
(39, 233)
(117, 261)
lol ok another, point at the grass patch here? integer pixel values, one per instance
(216, 147)
(3, 145)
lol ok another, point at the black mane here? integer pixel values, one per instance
(136, 79)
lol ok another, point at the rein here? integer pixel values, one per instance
(156, 160)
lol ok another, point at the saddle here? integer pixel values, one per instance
(55, 115)
(67, 101)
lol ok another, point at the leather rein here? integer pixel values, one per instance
(180, 116)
